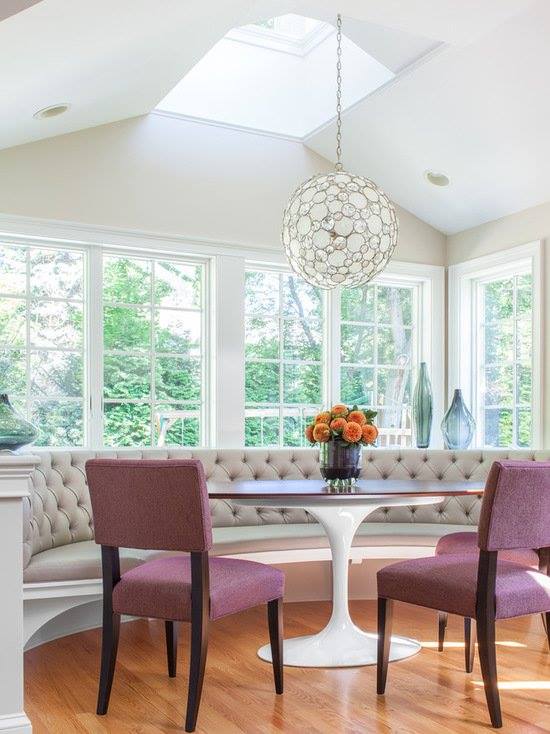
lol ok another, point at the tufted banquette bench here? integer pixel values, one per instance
(62, 564)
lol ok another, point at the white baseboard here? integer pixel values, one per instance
(15, 724)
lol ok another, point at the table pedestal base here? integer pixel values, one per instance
(339, 648)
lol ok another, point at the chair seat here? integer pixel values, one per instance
(448, 583)
(162, 588)
(467, 543)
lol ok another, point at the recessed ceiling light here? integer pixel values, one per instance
(52, 111)
(436, 178)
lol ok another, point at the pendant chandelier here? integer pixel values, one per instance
(339, 229)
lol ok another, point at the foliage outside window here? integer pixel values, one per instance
(505, 377)
(284, 345)
(377, 355)
(153, 351)
(42, 339)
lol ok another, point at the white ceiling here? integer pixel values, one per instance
(477, 109)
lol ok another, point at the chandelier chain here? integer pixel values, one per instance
(339, 92)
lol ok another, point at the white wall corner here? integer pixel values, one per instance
(15, 472)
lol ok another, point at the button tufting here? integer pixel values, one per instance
(384, 476)
(412, 475)
(413, 510)
(467, 476)
(371, 459)
(440, 477)
(292, 460)
(398, 459)
(425, 459)
(453, 459)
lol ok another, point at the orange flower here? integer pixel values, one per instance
(352, 432)
(370, 433)
(309, 433)
(321, 432)
(322, 417)
(357, 416)
(338, 424)
(339, 410)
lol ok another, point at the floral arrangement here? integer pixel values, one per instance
(340, 423)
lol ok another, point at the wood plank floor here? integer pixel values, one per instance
(427, 693)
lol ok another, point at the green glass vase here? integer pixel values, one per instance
(423, 408)
(15, 431)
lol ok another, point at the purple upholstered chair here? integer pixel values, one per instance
(515, 514)
(466, 542)
(163, 505)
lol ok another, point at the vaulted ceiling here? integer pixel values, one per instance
(476, 107)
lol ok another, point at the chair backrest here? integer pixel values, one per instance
(515, 512)
(156, 505)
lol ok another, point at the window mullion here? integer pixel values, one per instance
(94, 376)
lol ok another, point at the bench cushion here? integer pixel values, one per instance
(82, 560)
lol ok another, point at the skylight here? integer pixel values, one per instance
(293, 34)
(276, 76)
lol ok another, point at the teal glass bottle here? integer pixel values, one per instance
(422, 408)
(15, 431)
(458, 425)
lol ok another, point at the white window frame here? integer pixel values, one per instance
(463, 349)
(430, 331)
(96, 388)
(93, 319)
(85, 346)
(225, 265)
(283, 268)
(428, 343)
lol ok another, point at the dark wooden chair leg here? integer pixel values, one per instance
(442, 618)
(275, 623)
(111, 626)
(171, 646)
(200, 612)
(385, 614)
(546, 621)
(109, 648)
(485, 624)
(469, 644)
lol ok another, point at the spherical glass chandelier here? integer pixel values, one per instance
(339, 229)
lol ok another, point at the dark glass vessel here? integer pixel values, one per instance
(458, 425)
(15, 431)
(423, 408)
(340, 460)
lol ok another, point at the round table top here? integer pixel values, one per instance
(287, 489)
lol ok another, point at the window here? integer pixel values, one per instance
(378, 354)
(504, 314)
(43, 339)
(153, 351)
(284, 347)
(494, 350)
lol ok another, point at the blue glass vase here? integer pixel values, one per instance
(15, 431)
(458, 425)
(423, 408)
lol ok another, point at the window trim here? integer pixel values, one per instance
(280, 269)
(93, 331)
(463, 342)
(224, 261)
(431, 310)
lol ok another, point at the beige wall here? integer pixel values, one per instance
(516, 229)
(167, 176)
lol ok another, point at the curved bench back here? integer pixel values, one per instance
(59, 511)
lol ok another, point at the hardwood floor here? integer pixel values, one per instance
(429, 692)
